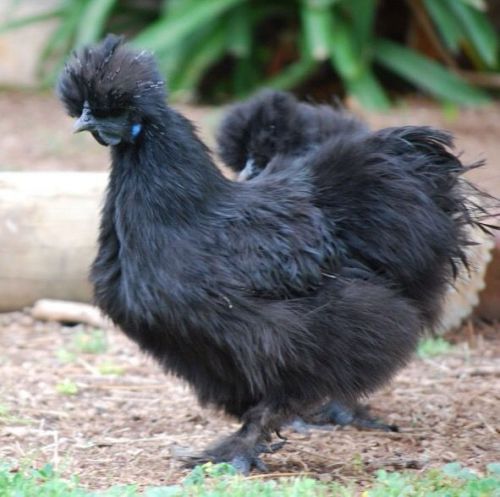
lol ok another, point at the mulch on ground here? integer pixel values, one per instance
(124, 428)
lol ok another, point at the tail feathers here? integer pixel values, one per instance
(434, 161)
(402, 206)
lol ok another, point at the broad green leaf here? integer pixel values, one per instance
(239, 32)
(93, 20)
(447, 24)
(368, 91)
(426, 74)
(362, 16)
(171, 7)
(477, 4)
(320, 4)
(60, 41)
(198, 59)
(292, 75)
(351, 50)
(478, 29)
(317, 25)
(178, 7)
(171, 30)
(245, 76)
(344, 55)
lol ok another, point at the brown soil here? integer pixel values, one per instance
(122, 429)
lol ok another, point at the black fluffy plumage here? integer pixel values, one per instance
(274, 122)
(252, 292)
(274, 125)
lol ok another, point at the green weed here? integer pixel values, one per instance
(220, 481)
(110, 368)
(67, 387)
(432, 347)
(90, 342)
(7, 418)
(66, 356)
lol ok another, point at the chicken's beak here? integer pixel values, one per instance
(249, 171)
(86, 122)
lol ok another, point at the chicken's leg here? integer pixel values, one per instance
(357, 416)
(243, 448)
(337, 413)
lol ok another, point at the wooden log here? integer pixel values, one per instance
(48, 233)
(489, 298)
(69, 312)
(462, 297)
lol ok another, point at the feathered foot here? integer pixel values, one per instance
(243, 448)
(358, 416)
(335, 413)
(236, 451)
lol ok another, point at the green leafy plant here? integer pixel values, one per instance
(451, 481)
(228, 48)
(432, 347)
(90, 342)
(219, 481)
(66, 356)
(111, 369)
(6, 417)
(67, 387)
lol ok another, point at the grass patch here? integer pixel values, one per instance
(219, 480)
(66, 356)
(108, 368)
(90, 342)
(432, 347)
(66, 387)
(84, 342)
(451, 481)
(7, 418)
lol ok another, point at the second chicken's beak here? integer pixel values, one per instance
(249, 171)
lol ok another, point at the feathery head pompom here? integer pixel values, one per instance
(258, 130)
(111, 78)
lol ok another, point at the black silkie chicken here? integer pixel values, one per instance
(275, 123)
(262, 295)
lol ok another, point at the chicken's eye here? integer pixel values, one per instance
(135, 130)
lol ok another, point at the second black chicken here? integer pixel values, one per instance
(274, 126)
(274, 123)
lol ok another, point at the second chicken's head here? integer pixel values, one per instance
(253, 132)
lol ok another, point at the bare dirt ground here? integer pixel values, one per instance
(35, 134)
(123, 428)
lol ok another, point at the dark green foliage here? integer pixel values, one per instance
(227, 48)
